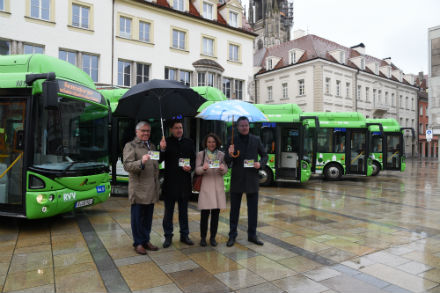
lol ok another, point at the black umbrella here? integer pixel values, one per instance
(159, 99)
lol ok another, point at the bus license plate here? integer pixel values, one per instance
(83, 203)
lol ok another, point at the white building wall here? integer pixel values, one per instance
(434, 79)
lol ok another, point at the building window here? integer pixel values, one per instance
(301, 89)
(348, 89)
(178, 39)
(233, 19)
(342, 57)
(144, 31)
(185, 77)
(359, 91)
(90, 66)
(2, 5)
(379, 96)
(269, 93)
(386, 98)
(421, 111)
(233, 53)
(31, 49)
(401, 101)
(374, 96)
(208, 46)
(40, 9)
(406, 103)
(124, 73)
(421, 128)
(292, 57)
(201, 79)
(207, 10)
(142, 72)
(367, 93)
(170, 73)
(269, 64)
(285, 91)
(327, 85)
(412, 103)
(393, 101)
(227, 87)
(412, 123)
(238, 89)
(5, 47)
(178, 5)
(338, 88)
(125, 27)
(210, 79)
(80, 16)
(68, 56)
(362, 63)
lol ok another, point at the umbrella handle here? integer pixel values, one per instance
(232, 140)
(236, 155)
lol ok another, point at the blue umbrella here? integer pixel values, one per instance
(231, 110)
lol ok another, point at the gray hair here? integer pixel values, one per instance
(141, 124)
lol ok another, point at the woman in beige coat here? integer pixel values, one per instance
(211, 165)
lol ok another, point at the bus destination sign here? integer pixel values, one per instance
(76, 90)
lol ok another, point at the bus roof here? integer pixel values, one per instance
(14, 68)
(388, 124)
(280, 112)
(113, 96)
(338, 119)
(211, 95)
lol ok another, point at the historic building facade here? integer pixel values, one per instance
(434, 79)
(124, 42)
(321, 75)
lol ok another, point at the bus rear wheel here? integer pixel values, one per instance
(376, 168)
(333, 172)
(266, 176)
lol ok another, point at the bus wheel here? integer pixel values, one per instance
(333, 172)
(266, 176)
(376, 169)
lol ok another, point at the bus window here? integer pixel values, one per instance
(393, 151)
(268, 139)
(339, 139)
(325, 139)
(376, 144)
(308, 143)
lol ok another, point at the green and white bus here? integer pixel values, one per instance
(387, 147)
(283, 138)
(340, 144)
(53, 138)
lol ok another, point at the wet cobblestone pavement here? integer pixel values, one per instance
(379, 234)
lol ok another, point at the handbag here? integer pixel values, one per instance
(197, 179)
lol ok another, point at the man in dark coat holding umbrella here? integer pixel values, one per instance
(179, 156)
(244, 178)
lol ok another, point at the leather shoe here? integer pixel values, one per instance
(203, 242)
(150, 246)
(255, 240)
(186, 240)
(167, 242)
(230, 242)
(213, 242)
(140, 250)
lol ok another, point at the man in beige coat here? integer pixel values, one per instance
(143, 186)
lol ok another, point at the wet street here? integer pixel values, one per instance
(377, 234)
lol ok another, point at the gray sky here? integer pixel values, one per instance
(388, 28)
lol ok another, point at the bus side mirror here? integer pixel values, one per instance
(50, 94)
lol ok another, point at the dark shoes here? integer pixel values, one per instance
(186, 240)
(255, 240)
(213, 242)
(203, 242)
(230, 242)
(151, 247)
(167, 242)
(140, 250)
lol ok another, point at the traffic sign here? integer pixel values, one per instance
(428, 134)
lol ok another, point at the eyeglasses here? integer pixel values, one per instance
(144, 130)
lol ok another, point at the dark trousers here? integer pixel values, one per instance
(252, 205)
(168, 216)
(204, 222)
(141, 220)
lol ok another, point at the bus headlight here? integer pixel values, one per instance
(44, 209)
(40, 198)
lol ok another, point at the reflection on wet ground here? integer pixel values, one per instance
(378, 234)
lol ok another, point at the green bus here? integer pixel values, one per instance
(387, 147)
(53, 138)
(340, 145)
(283, 138)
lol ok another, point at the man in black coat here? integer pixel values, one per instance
(245, 178)
(179, 156)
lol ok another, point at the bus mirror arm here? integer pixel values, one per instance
(378, 124)
(50, 88)
(311, 117)
(30, 78)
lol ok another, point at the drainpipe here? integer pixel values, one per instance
(255, 88)
(356, 90)
(113, 41)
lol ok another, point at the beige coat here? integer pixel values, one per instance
(143, 185)
(212, 191)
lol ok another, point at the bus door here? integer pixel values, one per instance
(12, 122)
(356, 151)
(393, 151)
(288, 154)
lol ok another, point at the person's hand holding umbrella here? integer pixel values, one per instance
(163, 144)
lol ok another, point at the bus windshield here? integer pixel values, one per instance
(72, 137)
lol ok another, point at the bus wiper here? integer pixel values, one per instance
(74, 163)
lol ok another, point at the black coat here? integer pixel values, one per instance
(246, 179)
(177, 183)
